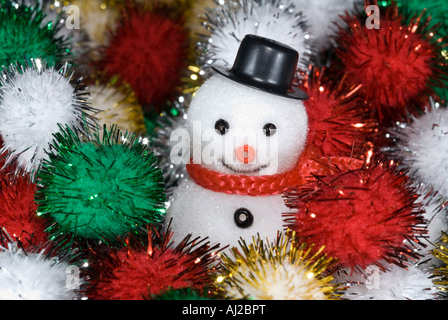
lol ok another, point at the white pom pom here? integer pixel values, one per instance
(230, 22)
(322, 17)
(34, 101)
(396, 284)
(435, 213)
(33, 276)
(422, 148)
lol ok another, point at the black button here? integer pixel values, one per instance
(243, 218)
(269, 129)
(222, 126)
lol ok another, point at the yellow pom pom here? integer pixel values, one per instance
(98, 19)
(117, 104)
(441, 273)
(283, 270)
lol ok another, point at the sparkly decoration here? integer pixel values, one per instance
(182, 294)
(282, 270)
(98, 19)
(24, 36)
(188, 11)
(416, 145)
(86, 24)
(228, 23)
(322, 16)
(338, 125)
(100, 188)
(136, 272)
(436, 11)
(148, 50)
(175, 9)
(396, 66)
(363, 217)
(441, 273)
(194, 20)
(35, 274)
(116, 104)
(436, 215)
(18, 211)
(34, 101)
(192, 79)
(411, 283)
(166, 124)
(68, 27)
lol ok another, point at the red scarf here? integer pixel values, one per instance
(269, 184)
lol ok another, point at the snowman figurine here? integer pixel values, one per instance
(248, 129)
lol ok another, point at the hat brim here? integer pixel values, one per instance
(294, 93)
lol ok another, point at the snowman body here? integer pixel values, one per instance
(242, 131)
(221, 217)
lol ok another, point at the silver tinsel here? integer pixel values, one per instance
(229, 21)
(435, 214)
(57, 11)
(56, 14)
(396, 283)
(175, 117)
(420, 148)
(32, 110)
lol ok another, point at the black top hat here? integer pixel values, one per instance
(266, 65)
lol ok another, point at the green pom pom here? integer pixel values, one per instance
(437, 9)
(101, 185)
(24, 36)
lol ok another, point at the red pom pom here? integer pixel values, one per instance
(362, 217)
(139, 273)
(18, 211)
(393, 65)
(337, 124)
(148, 51)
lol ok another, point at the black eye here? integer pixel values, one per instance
(222, 126)
(243, 218)
(269, 129)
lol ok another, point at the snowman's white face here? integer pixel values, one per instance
(236, 129)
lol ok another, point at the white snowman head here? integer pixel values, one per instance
(246, 120)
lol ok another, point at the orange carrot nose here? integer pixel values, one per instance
(245, 154)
